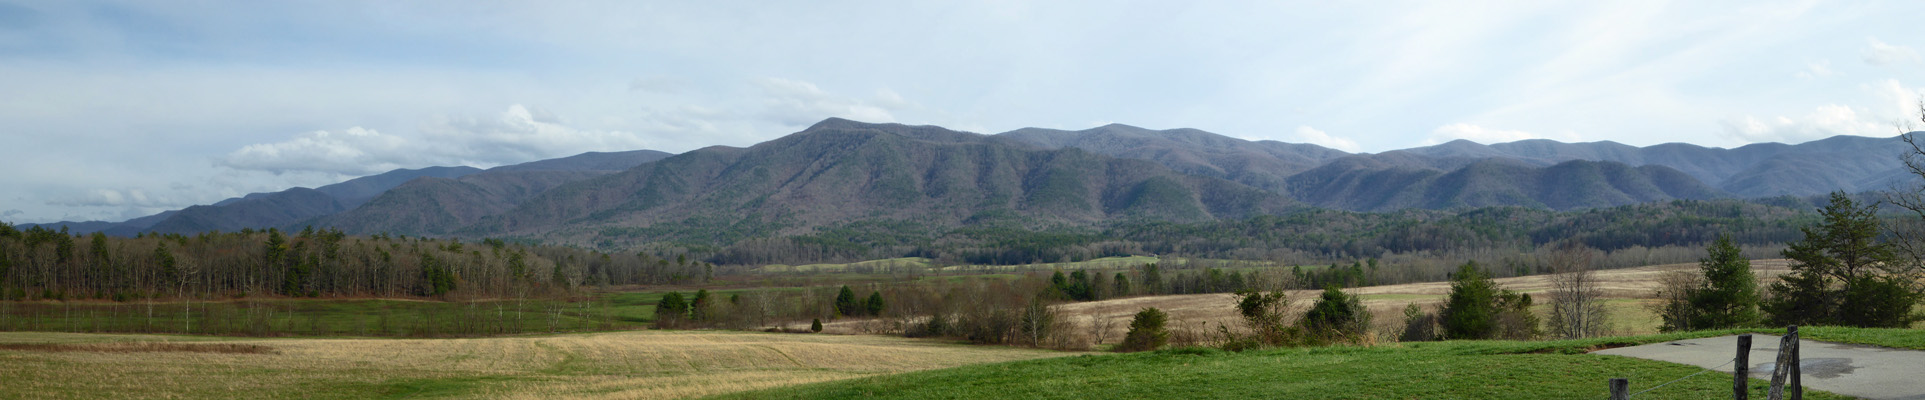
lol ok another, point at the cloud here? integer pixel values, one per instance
(1825, 121)
(1484, 135)
(1878, 52)
(519, 134)
(1311, 135)
(794, 103)
(1816, 69)
(115, 198)
(11, 212)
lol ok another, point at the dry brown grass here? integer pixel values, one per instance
(625, 365)
(141, 347)
(1627, 291)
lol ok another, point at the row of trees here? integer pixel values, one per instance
(1844, 272)
(1303, 237)
(41, 264)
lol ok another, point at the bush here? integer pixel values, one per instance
(1337, 317)
(1146, 331)
(816, 325)
(1479, 309)
(1419, 326)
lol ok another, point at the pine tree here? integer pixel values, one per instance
(874, 305)
(1843, 275)
(1121, 285)
(816, 325)
(845, 303)
(1146, 331)
(1152, 279)
(1729, 297)
(1471, 310)
(671, 310)
(699, 309)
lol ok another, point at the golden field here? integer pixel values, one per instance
(619, 365)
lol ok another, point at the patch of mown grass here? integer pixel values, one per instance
(1458, 369)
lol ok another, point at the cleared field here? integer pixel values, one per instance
(646, 364)
(1628, 291)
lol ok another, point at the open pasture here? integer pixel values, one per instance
(639, 364)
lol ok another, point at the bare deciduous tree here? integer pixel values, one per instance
(1577, 304)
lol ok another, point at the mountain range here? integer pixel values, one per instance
(839, 172)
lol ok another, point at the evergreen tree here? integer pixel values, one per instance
(1337, 316)
(816, 325)
(699, 308)
(1152, 279)
(874, 305)
(1478, 309)
(1146, 331)
(1842, 274)
(1729, 297)
(169, 267)
(845, 304)
(671, 310)
(1471, 310)
(1120, 284)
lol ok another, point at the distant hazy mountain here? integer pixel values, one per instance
(1849, 163)
(300, 205)
(1264, 164)
(125, 228)
(839, 170)
(1360, 184)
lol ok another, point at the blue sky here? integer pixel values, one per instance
(120, 109)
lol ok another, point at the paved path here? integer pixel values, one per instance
(1853, 370)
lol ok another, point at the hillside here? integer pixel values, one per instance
(264, 210)
(1849, 163)
(1370, 184)
(840, 170)
(1260, 164)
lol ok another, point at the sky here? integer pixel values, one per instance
(114, 110)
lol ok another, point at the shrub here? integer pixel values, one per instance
(1146, 331)
(1337, 317)
(816, 325)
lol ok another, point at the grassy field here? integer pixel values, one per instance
(1494, 369)
(651, 364)
(335, 317)
(1628, 292)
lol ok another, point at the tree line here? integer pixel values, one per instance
(41, 264)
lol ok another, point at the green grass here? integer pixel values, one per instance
(1458, 369)
(334, 317)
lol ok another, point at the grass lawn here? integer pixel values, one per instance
(1460, 369)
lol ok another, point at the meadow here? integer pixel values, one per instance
(639, 364)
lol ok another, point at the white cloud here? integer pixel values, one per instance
(1484, 135)
(1905, 100)
(795, 103)
(1825, 121)
(1816, 69)
(1878, 52)
(115, 198)
(519, 134)
(1311, 135)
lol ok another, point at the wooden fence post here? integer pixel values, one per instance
(1797, 370)
(1786, 369)
(1620, 389)
(1741, 369)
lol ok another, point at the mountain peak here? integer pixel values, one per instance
(838, 123)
